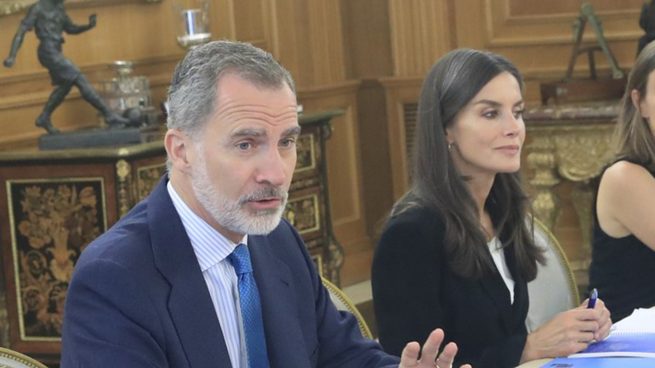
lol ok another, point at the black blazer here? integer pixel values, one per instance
(415, 291)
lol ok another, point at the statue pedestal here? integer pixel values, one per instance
(91, 138)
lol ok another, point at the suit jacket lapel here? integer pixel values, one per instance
(511, 314)
(497, 290)
(284, 338)
(190, 305)
(521, 301)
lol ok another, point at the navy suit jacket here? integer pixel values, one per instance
(138, 299)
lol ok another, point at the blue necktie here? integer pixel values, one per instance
(251, 310)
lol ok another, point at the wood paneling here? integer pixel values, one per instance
(540, 41)
(341, 148)
(368, 41)
(368, 57)
(376, 165)
(420, 33)
(344, 169)
(399, 92)
(307, 37)
(555, 8)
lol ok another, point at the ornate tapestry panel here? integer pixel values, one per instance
(51, 223)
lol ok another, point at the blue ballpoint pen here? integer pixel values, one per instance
(591, 304)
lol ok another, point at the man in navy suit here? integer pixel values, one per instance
(160, 289)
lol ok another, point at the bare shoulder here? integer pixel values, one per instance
(621, 187)
(626, 202)
(624, 174)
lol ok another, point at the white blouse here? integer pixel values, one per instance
(495, 247)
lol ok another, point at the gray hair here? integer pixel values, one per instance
(192, 94)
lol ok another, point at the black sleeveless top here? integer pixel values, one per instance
(623, 271)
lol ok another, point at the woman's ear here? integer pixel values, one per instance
(637, 101)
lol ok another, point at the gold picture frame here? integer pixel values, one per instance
(14, 6)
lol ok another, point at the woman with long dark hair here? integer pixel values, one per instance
(457, 250)
(623, 250)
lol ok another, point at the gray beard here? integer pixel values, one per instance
(234, 215)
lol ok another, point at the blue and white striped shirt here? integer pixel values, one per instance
(211, 249)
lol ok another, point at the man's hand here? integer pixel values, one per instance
(9, 62)
(429, 355)
(92, 20)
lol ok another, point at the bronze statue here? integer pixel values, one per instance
(49, 20)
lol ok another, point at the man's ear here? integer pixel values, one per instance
(178, 149)
(637, 101)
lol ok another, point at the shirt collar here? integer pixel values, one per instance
(209, 245)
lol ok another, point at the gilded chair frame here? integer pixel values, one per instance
(20, 358)
(348, 303)
(573, 286)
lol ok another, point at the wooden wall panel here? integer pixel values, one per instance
(250, 20)
(368, 56)
(341, 150)
(560, 7)
(344, 168)
(420, 33)
(368, 41)
(538, 37)
(307, 37)
(326, 41)
(399, 92)
(287, 19)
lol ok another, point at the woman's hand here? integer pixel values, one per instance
(568, 332)
(604, 320)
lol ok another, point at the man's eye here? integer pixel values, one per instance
(244, 146)
(288, 142)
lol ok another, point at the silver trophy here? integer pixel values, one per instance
(193, 18)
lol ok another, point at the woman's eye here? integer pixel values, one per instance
(519, 113)
(490, 114)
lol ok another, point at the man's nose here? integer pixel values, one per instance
(273, 169)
